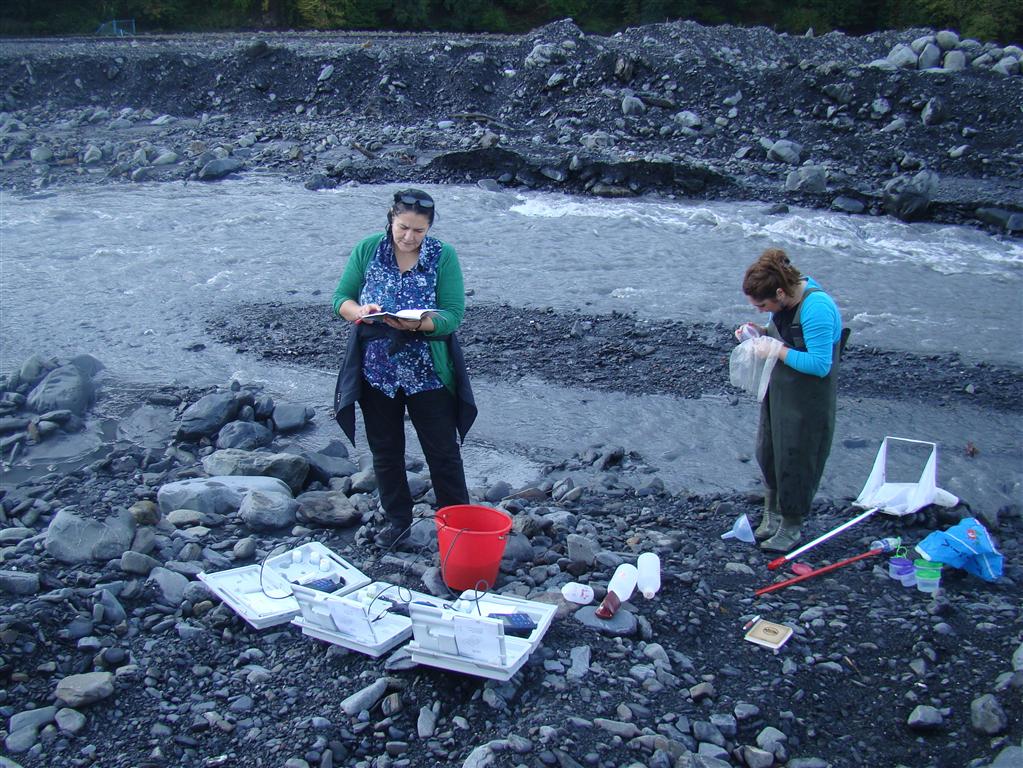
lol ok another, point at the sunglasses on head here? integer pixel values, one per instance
(409, 199)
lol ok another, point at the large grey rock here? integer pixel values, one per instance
(954, 61)
(481, 757)
(365, 698)
(930, 56)
(946, 39)
(32, 718)
(221, 494)
(219, 168)
(322, 466)
(20, 740)
(87, 688)
(910, 198)
(63, 388)
(517, 549)
(785, 151)
(633, 106)
(622, 624)
(19, 583)
(327, 508)
(809, 178)
(138, 563)
(34, 368)
(925, 718)
(902, 56)
(582, 549)
(267, 511)
(244, 435)
(171, 586)
(113, 611)
(987, 715)
(287, 467)
(70, 721)
(207, 415)
(74, 539)
(934, 112)
(291, 418)
(1007, 65)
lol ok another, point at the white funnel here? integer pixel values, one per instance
(741, 530)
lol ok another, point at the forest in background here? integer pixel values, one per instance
(984, 20)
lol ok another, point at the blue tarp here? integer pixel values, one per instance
(966, 545)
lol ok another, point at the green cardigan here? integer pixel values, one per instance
(450, 299)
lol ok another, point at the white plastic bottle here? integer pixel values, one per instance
(649, 579)
(619, 589)
(575, 592)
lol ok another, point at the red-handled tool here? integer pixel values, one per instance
(780, 561)
(818, 572)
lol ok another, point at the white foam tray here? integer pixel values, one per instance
(264, 595)
(359, 620)
(465, 639)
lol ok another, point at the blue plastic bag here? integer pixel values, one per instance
(965, 545)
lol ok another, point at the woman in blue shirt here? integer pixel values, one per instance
(797, 417)
(394, 365)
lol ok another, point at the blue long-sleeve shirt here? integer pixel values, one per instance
(822, 327)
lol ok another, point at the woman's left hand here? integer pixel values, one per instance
(425, 324)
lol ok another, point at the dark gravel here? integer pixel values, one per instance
(617, 353)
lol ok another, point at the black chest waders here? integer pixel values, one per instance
(797, 423)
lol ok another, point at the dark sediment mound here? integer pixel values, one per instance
(617, 353)
(680, 109)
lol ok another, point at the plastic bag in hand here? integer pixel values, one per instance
(767, 347)
(748, 371)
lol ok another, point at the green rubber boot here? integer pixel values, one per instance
(771, 519)
(786, 538)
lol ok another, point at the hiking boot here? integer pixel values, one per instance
(785, 539)
(771, 520)
(392, 537)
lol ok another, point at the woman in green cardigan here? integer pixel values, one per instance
(396, 365)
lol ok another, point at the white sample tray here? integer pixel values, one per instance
(464, 638)
(264, 595)
(360, 620)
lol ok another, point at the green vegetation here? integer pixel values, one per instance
(1000, 20)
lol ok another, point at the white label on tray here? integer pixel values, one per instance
(350, 620)
(478, 639)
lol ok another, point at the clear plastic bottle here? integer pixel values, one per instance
(889, 544)
(648, 566)
(747, 331)
(575, 592)
(619, 589)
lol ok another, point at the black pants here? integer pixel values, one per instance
(433, 416)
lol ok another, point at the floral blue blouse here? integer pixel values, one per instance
(411, 368)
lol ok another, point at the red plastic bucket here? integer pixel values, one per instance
(471, 541)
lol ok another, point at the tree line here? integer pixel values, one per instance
(998, 20)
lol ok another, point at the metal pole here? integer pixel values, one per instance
(778, 562)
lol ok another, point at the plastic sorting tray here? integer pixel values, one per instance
(360, 620)
(462, 637)
(264, 595)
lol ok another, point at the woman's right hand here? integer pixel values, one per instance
(365, 309)
(353, 311)
(749, 331)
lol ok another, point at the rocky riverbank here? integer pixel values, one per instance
(115, 655)
(916, 124)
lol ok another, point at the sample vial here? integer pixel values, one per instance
(619, 589)
(649, 580)
(575, 592)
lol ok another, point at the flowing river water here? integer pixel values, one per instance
(130, 274)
